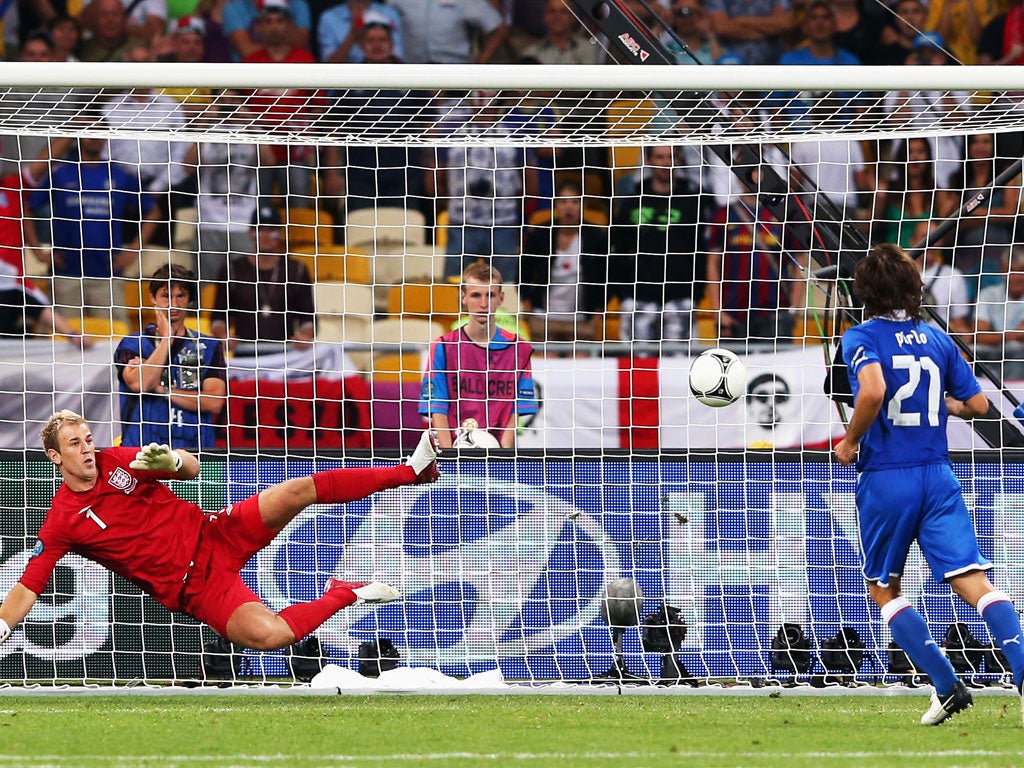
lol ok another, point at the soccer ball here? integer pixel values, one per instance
(471, 436)
(718, 377)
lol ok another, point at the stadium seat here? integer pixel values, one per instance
(423, 264)
(99, 327)
(152, 259)
(308, 227)
(627, 116)
(387, 229)
(441, 224)
(405, 365)
(184, 230)
(336, 263)
(440, 302)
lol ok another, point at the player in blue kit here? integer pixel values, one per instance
(907, 379)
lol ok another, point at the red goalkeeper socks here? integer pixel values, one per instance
(338, 486)
(305, 617)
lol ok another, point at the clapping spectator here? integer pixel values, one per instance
(960, 22)
(341, 27)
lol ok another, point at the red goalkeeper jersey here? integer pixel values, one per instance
(128, 522)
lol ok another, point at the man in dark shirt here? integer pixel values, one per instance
(266, 295)
(655, 270)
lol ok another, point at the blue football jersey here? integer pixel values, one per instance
(920, 364)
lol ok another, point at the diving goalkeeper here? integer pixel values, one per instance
(113, 509)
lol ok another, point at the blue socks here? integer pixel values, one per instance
(1000, 616)
(910, 632)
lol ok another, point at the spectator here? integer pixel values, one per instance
(444, 32)
(26, 310)
(945, 290)
(172, 380)
(108, 37)
(144, 19)
(185, 43)
(999, 317)
(341, 26)
(284, 109)
(484, 188)
(907, 196)
(925, 109)
(837, 171)
(1002, 39)
(367, 175)
(746, 273)
(692, 25)
(564, 272)
(565, 41)
(897, 42)
(157, 163)
(100, 220)
(985, 231)
(266, 295)
(857, 30)
(811, 107)
(756, 30)
(478, 371)
(66, 36)
(656, 271)
(241, 22)
(227, 192)
(38, 46)
(960, 23)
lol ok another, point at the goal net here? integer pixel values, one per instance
(319, 219)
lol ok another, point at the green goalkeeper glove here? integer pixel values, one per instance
(159, 457)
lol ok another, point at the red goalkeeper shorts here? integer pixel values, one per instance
(214, 589)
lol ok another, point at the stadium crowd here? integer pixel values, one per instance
(602, 252)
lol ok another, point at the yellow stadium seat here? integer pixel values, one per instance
(99, 327)
(308, 227)
(440, 302)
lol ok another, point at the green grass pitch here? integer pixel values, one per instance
(235, 730)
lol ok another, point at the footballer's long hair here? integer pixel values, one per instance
(888, 281)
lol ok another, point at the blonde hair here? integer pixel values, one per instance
(482, 272)
(50, 432)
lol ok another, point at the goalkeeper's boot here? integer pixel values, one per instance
(424, 459)
(944, 707)
(365, 591)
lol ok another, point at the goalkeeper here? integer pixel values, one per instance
(113, 509)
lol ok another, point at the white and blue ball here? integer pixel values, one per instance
(718, 377)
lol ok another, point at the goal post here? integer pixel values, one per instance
(720, 195)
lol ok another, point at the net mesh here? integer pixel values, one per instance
(695, 213)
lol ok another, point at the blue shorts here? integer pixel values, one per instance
(897, 506)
